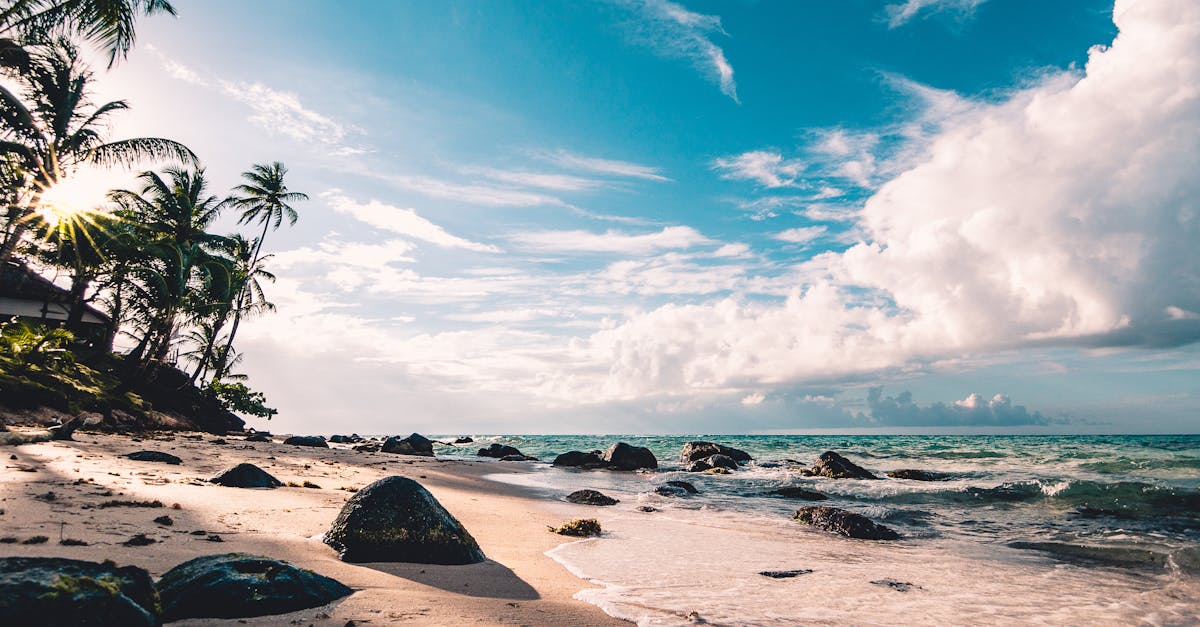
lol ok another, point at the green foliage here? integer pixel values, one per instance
(238, 398)
(24, 346)
(580, 527)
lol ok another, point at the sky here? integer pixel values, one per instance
(655, 216)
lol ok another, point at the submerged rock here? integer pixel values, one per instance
(395, 519)
(1116, 555)
(518, 458)
(56, 591)
(315, 441)
(685, 485)
(154, 456)
(697, 450)
(843, 522)
(590, 497)
(796, 492)
(239, 585)
(246, 475)
(785, 574)
(913, 474)
(622, 456)
(579, 459)
(353, 438)
(898, 586)
(712, 461)
(835, 466)
(415, 444)
(464, 440)
(498, 451)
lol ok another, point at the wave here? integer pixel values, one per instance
(1121, 499)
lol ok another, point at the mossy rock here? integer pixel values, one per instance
(395, 519)
(580, 527)
(56, 591)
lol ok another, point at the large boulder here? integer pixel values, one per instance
(56, 591)
(843, 522)
(415, 444)
(579, 459)
(466, 439)
(590, 497)
(395, 519)
(622, 456)
(913, 474)
(315, 441)
(712, 461)
(498, 451)
(246, 475)
(239, 585)
(835, 466)
(154, 456)
(693, 451)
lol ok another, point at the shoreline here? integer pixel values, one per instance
(519, 584)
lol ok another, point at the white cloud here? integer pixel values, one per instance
(595, 165)
(475, 194)
(767, 168)
(800, 235)
(901, 13)
(673, 31)
(402, 221)
(544, 180)
(621, 242)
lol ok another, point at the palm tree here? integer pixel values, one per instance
(54, 130)
(264, 198)
(105, 23)
(245, 287)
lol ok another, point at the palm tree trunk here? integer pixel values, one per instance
(222, 362)
(208, 349)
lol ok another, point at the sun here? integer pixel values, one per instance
(68, 200)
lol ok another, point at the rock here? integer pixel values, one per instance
(646, 508)
(395, 519)
(239, 585)
(258, 437)
(314, 441)
(579, 459)
(518, 458)
(796, 492)
(717, 471)
(622, 456)
(154, 456)
(697, 450)
(590, 497)
(899, 586)
(835, 466)
(246, 476)
(353, 438)
(918, 475)
(56, 591)
(785, 574)
(580, 527)
(165, 520)
(712, 461)
(498, 451)
(415, 444)
(686, 485)
(367, 448)
(843, 522)
(463, 440)
(676, 488)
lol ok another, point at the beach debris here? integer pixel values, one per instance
(834, 466)
(590, 497)
(154, 456)
(647, 508)
(518, 458)
(785, 574)
(353, 438)
(246, 475)
(579, 459)
(240, 585)
(215, 538)
(57, 591)
(314, 441)
(258, 437)
(396, 519)
(898, 586)
(370, 447)
(165, 520)
(622, 456)
(8, 540)
(140, 539)
(676, 488)
(466, 439)
(107, 504)
(698, 449)
(72, 542)
(36, 540)
(67, 429)
(415, 444)
(47, 496)
(717, 460)
(797, 492)
(843, 522)
(498, 451)
(580, 527)
(913, 474)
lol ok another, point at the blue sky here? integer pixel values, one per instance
(654, 216)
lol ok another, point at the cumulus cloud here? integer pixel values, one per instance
(901, 13)
(974, 411)
(800, 235)
(673, 31)
(402, 221)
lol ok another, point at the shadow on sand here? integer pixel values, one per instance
(488, 579)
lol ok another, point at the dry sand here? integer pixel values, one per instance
(517, 585)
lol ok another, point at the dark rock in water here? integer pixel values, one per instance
(498, 450)
(846, 523)
(785, 574)
(913, 474)
(668, 490)
(796, 492)
(622, 456)
(712, 461)
(353, 438)
(314, 441)
(518, 458)
(239, 585)
(685, 485)
(590, 497)
(1116, 555)
(464, 440)
(697, 450)
(246, 476)
(258, 437)
(395, 519)
(579, 459)
(415, 444)
(646, 508)
(367, 448)
(769, 464)
(55, 591)
(154, 456)
(899, 586)
(835, 466)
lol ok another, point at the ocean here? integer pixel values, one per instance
(1025, 529)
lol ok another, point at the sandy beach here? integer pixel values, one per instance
(517, 585)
